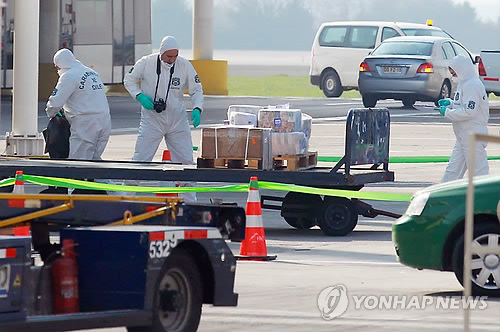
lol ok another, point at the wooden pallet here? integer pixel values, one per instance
(296, 162)
(236, 163)
(287, 163)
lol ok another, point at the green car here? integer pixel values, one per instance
(430, 235)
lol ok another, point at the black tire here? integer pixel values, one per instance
(178, 297)
(408, 101)
(300, 210)
(445, 92)
(331, 85)
(339, 216)
(482, 234)
(369, 101)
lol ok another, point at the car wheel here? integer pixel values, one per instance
(339, 216)
(485, 268)
(444, 93)
(408, 102)
(369, 101)
(331, 85)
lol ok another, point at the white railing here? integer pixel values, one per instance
(469, 250)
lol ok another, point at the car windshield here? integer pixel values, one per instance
(425, 32)
(403, 48)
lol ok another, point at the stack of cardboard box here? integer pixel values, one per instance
(258, 133)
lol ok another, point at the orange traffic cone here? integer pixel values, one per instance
(254, 245)
(167, 157)
(18, 189)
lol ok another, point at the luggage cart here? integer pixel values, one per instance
(366, 160)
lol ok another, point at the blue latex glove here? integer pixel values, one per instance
(195, 116)
(145, 101)
(444, 102)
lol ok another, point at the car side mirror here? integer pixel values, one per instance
(477, 58)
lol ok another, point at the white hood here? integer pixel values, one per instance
(463, 67)
(168, 43)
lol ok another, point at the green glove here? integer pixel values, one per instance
(441, 110)
(195, 116)
(145, 101)
(444, 102)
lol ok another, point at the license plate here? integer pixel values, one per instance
(393, 70)
(4, 280)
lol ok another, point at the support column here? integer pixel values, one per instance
(203, 31)
(212, 73)
(24, 140)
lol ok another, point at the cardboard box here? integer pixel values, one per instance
(290, 144)
(281, 120)
(237, 143)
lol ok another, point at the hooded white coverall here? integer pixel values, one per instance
(171, 124)
(80, 91)
(469, 113)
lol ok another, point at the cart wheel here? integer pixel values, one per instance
(178, 296)
(300, 210)
(339, 216)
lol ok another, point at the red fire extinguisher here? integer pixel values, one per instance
(65, 280)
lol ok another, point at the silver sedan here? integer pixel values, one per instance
(409, 69)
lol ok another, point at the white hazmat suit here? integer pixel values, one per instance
(469, 113)
(171, 124)
(80, 91)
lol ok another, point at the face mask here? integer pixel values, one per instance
(169, 65)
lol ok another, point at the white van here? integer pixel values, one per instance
(339, 48)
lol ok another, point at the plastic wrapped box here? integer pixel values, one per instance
(243, 119)
(250, 109)
(307, 125)
(281, 120)
(289, 144)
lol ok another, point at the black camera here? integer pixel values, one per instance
(159, 105)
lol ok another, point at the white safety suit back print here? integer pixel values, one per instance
(80, 91)
(469, 113)
(171, 124)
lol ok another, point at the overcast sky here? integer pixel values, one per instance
(290, 25)
(487, 10)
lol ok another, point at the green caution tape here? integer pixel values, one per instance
(79, 184)
(409, 159)
(336, 192)
(7, 182)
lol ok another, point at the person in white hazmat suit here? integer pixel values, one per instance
(469, 113)
(164, 76)
(80, 92)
